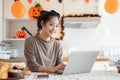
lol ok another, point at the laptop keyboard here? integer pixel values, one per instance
(94, 75)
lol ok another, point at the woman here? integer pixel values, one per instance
(42, 52)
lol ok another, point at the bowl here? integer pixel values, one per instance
(118, 68)
(15, 73)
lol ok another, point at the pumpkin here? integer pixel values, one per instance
(47, 0)
(30, 1)
(111, 6)
(34, 12)
(18, 9)
(87, 1)
(21, 34)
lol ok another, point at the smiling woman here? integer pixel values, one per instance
(42, 52)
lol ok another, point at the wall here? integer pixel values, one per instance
(110, 23)
(1, 8)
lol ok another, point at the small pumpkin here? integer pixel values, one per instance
(18, 9)
(34, 12)
(30, 1)
(87, 1)
(21, 34)
(47, 0)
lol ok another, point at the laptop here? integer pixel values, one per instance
(80, 62)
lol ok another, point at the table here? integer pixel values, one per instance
(93, 75)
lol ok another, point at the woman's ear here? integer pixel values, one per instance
(42, 23)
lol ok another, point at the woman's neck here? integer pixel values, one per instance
(44, 37)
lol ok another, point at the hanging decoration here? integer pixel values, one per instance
(87, 1)
(34, 12)
(111, 6)
(47, 0)
(30, 1)
(18, 9)
(62, 33)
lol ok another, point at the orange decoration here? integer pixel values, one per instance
(30, 1)
(18, 9)
(34, 12)
(47, 0)
(20, 34)
(65, 57)
(111, 6)
(87, 1)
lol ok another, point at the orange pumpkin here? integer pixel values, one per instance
(87, 1)
(18, 9)
(21, 34)
(34, 12)
(30, 1)
(111, 6)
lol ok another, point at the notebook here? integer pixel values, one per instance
(80, 62)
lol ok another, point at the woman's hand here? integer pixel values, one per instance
(57, 68)
(60, 66)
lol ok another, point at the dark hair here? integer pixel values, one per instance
(46, 16)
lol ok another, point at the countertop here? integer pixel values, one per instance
(14, 60)
(23, 59)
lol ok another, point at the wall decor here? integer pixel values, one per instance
(111, 6)
(18, 9)
(34, 11)
(47, 0)
(30, 1)
(86, 1)
(20, 34)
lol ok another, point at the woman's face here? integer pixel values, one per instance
(50, 27)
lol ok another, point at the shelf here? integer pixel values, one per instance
(17, 19)
(13, 39)
(81, 22)
(14, 60)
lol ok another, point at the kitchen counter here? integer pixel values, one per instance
(23, 59)
(14, 60)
